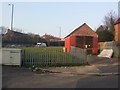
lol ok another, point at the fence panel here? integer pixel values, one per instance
(53, 57)
(79, 53)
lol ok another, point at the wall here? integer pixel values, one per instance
(69, 41)
(78, 52)
(72, 40)
(95, 45)
(101, 45)
(116, 51)
(67, 44)
(117, 32)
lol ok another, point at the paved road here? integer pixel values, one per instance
(16, 77)
(98, 82)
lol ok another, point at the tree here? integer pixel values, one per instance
(104, 34)
(35, 38)
(13, 37)
(109, 21)
(106, 31)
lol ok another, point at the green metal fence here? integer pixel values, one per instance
(50, 57)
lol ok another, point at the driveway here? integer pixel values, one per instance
(95, 60)
(105, 65)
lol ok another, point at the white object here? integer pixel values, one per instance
(106, 53)
(41, 44)
(11, 56)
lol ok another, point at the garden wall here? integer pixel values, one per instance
(78, 52)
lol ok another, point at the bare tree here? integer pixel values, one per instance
(109, 21)
(110, 18)
(106, 31)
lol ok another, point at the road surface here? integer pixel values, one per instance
(16, 77)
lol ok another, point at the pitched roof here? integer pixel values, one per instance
(117, 22)
(83, 30)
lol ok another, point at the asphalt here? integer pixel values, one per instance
(20, 77)
(101, 73)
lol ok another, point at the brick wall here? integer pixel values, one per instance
(117, 32)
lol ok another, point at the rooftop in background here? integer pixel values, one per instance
(117, 22)
(51, 37)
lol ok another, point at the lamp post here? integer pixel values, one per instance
(12, 6)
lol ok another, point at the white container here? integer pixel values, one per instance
(11, 56)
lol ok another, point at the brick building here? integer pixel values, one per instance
(82, 37)
(117, 30)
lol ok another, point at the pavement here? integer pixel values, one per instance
(97, 66)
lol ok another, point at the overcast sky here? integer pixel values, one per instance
(47, 17)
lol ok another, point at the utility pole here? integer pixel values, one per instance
(59, 32)
(12, 6)
(59, 35)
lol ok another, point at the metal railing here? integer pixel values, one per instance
(51, 57)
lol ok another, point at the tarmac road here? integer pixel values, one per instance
(16, 77)
(98, 82)
(19, 77)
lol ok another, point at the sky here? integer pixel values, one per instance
(48, 17)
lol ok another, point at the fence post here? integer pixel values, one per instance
(23, 58)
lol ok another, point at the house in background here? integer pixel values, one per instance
(82, 37)
(52, 40)
(117, 30)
